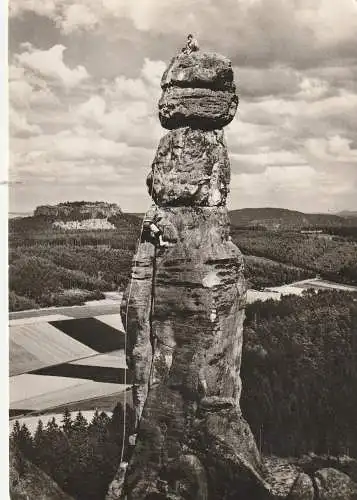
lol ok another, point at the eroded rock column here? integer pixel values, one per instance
(186, 309)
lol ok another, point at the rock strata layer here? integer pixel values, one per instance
(199, 92)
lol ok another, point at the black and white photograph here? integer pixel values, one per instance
(180, 270)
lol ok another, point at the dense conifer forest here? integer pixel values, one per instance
(299, 373)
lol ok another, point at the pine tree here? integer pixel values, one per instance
(67, 423)
(39, 444)
(39, 436)
(15, 433)
(80, 424)
(54, 453)
(99, 425)
(25, 442)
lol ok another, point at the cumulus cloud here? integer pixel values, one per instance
(300, 32)
(49, 64)
(84, 99)
(26, 89)
(293, 187)
(77, 16)
(19, 125)
(127, 108)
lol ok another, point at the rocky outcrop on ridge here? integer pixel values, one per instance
(79, 210)
(184, 310)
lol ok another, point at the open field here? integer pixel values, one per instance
(40, 345)
(87, 311)
(297, 288)
(60, 359)
(41, 392)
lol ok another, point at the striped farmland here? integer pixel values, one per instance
(58, 359)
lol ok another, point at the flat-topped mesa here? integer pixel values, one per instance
(198, 91)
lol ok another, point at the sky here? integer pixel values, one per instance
(84, 82)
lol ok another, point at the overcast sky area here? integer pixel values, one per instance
(85, 81)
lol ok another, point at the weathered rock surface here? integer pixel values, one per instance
(199, 69)
(199, 296)
(191, 167)
(281, 475)
(303, 488)
(28, 482)
(197, 107)
(198, 91)
(136, 314)
(331, 484)
(184, 308)
(311, 463)
(194, 352)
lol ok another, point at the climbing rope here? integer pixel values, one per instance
(123, 464)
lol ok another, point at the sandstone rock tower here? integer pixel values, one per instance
(186, 309)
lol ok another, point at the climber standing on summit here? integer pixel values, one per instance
(191, 45)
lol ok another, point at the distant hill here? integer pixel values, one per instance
(281, 218)
(12, 215)
(73, 216)
(349, 214)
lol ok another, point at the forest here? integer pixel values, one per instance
(334, 260)
(299, 369)
(81, 457)
(49, 267)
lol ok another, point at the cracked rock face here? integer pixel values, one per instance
(197, 108)
(198, 91)
(191, 167)
(303, 488)
(332, 484)
(199, 69)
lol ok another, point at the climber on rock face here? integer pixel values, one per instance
(151, 232)
(191, 45)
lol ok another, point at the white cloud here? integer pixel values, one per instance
(42, 8)
(293, 187)
(312, 89)
(292, 143)
(131, 88)
(152, 72)
(19, 125)
(77, 16)
(49, 64)
(335, 150)
(127, 108)
(26, 89)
